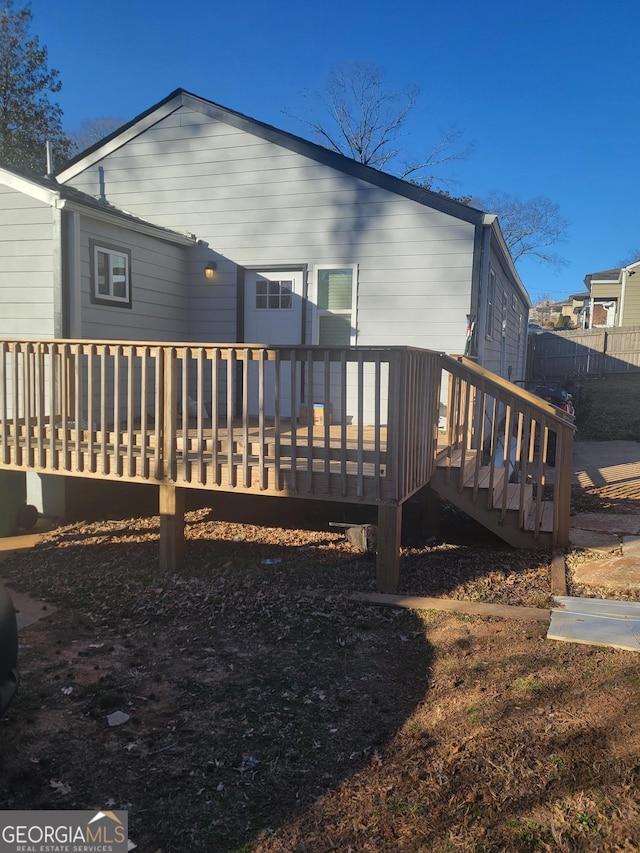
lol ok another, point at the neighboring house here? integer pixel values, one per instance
(196, 223)
(574, 307)
(613, 299)
(545, 313)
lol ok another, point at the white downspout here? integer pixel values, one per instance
(73, 276)
(623, 289)
(484, 284)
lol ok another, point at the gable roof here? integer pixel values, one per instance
(49, 191)
(612, 276)
(180, 98)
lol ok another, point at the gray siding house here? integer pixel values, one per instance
(369, 259)
(195, 223)
(53, 241)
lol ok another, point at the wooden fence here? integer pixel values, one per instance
(583, 352)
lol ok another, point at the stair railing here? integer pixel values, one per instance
(510, 442)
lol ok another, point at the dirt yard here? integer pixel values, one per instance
(246, 704)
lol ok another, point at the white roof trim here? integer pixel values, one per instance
(182, 239)
(491, 221)
(119, 140)
(53, 198)
(24, 185)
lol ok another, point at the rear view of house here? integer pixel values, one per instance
(280, 277)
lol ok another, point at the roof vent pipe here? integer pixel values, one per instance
(102, 195)
(49, 158)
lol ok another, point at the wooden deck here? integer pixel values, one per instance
(114, 410)
(341, 463)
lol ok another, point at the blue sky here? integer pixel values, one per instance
(545, 91)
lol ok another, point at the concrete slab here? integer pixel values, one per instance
(28, 610)
(604, 522)
(631, 546)
(619, 572)
(598, 606)
(612, 467)
(595, 630)
(589, 540)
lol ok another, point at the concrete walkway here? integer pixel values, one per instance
(28, 610)
(613, 468)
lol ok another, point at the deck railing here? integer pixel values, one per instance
(508, 432)
(356, 425)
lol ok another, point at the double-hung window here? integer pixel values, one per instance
(110, 275)
(336, 294)
(491, 304)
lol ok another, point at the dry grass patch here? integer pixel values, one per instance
(266, 715)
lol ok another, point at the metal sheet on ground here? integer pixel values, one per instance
(596, 622)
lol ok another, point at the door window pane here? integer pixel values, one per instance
(277, 295)
(335, 289)
(334, 330)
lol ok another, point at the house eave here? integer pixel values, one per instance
(312, 150)
(45, 191)
(138, 226)
(492, 222)
(29, 187)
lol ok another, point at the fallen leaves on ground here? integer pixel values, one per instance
(261, 709)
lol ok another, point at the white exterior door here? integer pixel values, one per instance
(272, 315)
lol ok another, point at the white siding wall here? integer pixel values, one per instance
(159, 310)
(26, 266)
(505, 343)
(256, 203)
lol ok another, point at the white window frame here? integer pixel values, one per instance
(345, 312)
(110, 251)
(490, 304)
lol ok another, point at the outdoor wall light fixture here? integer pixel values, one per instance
(210, 271)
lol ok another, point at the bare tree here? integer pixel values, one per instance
(356, 114)
(530, 226)
(632, 257)
(542, 309)
(93, 130)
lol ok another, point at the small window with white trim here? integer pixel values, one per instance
(110, 275)
(336, 294)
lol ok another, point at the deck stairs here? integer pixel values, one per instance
(511, 510)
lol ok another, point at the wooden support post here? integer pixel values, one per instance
(432, 507)
(172, 502)
(558, 573)
(388, 562)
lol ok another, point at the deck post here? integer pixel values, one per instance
(388, 561)
(431, 511)
(172, 503)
